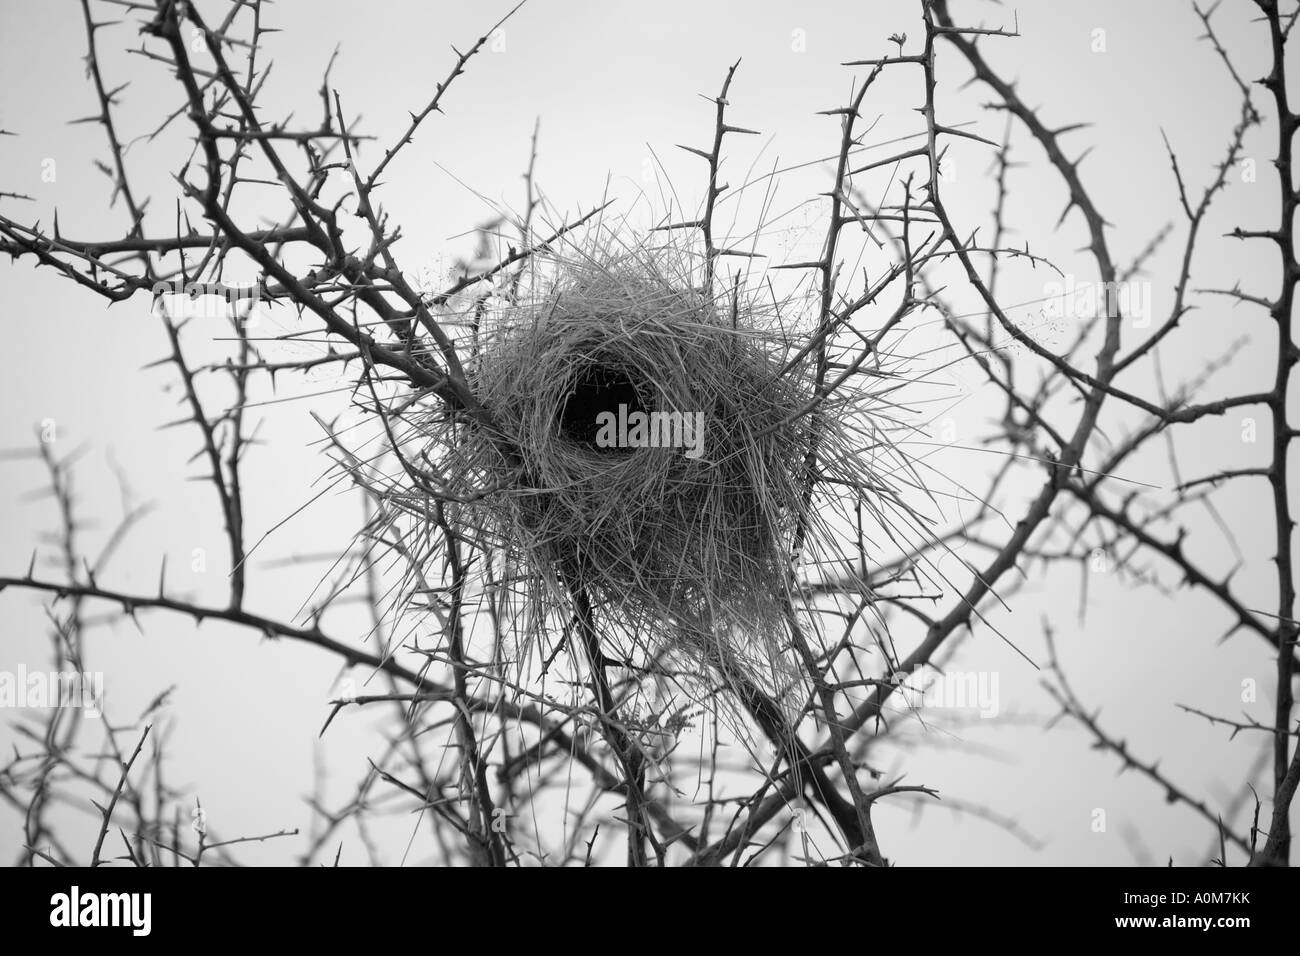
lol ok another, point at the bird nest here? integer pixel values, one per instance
(645, 451)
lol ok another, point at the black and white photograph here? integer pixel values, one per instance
(851, 434)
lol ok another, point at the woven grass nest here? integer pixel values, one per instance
(683, 548)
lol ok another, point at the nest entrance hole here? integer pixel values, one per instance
(596, 389)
